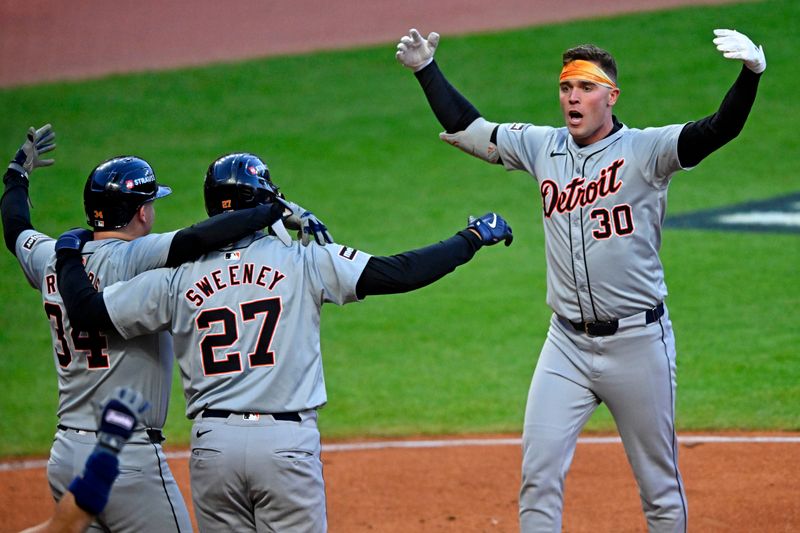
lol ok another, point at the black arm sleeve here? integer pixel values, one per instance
(14, 208)
(86, 308)
(453, 111)
(417, 268)
(204, 237)
(699, 139)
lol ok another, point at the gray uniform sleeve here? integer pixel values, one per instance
(519, 144)
(142, 254)
(334, 271)
(142, 305)
(658, 149)
(34, 250)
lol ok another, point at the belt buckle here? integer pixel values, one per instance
(601, 329)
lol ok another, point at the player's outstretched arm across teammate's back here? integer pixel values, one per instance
(382, 275)
(220, 230)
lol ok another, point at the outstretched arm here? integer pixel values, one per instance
(204, 237)
(452, 110)
(417, 268)
(14, 205)
(699, 139)
(463, 124)
(209, 235)
(404, 272)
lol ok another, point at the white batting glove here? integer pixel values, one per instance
(415, 52)
(735, 45)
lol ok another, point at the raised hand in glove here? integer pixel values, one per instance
(117, 421)
(38, 142)
(307, 225)
(492, 228)
(735, 45)
(415, 52)
(119, 417)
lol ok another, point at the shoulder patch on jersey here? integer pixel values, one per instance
(232, 256)
(516, 126)
(348, 253)
(30, 241)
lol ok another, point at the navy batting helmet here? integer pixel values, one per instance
(237, 181)
(116, 189)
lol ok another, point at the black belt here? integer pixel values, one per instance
(155, 435)
(216, 413)
(609, 327)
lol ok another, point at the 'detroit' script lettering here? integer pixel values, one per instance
(579, 193)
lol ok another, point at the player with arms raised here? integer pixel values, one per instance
(604, 189)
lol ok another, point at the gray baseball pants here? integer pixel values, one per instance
(633, 372)
(144, 497)
(256, 473)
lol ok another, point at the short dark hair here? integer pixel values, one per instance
(590, 52)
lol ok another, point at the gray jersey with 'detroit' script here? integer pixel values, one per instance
(245, 321)
(604, 205)
(90, 365)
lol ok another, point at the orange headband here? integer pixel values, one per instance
(588, 71)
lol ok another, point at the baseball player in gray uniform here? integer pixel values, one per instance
(603, 188)
(118, 200)
(246, 326)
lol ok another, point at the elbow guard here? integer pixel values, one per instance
(475, 140)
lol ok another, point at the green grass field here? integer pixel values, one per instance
(349, 134)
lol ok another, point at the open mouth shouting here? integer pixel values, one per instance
(574, 118)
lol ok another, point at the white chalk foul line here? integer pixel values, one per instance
(451, 443)
(689, 439)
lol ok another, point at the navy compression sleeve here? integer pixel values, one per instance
(14, 208)
(417, 268)
(85, 306)
(699, 139)
(453, 111)
(209, 235)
